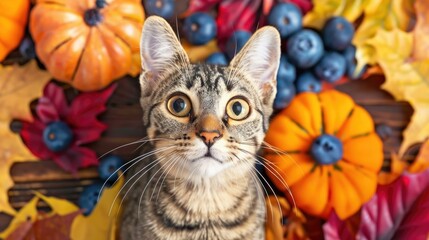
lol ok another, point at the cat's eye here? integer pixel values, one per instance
(179, 105)
(237, 109)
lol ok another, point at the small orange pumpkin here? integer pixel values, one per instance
(333, 154)
(87, 43)
(13, 19)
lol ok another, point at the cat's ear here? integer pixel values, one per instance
(160, 49)
(259, 59)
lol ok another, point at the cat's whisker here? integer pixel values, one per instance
(129, 144)
(164, 175)
(276, 174)
(151, 165)
(150, 180)
(261, 184)
(136, 160)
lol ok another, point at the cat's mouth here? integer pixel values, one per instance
(208, 155)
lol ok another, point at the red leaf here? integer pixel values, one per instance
(199, 6)
(86, 106)
(304, 5)
(56, 95)
(336, 229)
(397, 211)
(236, 15)
(55, 227)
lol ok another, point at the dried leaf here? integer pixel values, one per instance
(379, 14)
(421, 30)
(422, 160)
(324, 9)
(29, 212)
(102, 223)
(278, 208)
(19, 85)
(406, 79)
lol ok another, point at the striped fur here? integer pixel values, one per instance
(185, 190)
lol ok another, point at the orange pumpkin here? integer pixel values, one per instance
(330, 155)
(87, 43)
(13, 19)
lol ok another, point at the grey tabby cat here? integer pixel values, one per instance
(205, 124)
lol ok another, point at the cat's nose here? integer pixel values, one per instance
(209, 138)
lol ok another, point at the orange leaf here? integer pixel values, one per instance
(421, 30)
(19, 85)
(422, 160)
(397, 167)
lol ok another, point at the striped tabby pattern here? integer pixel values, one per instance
(205, 123)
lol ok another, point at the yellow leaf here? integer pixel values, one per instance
(421, 30)
(324, 9)
(19, 85)
(406, 79)
(379, 14)
(200, 53)
(29, 212)
(99, 224)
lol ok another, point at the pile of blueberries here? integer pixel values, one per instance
(309, 56)
(108, 171)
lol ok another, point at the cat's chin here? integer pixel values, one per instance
(207, 167)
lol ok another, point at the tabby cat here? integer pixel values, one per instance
(204, 125)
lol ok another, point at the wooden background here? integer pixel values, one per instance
(123, 117)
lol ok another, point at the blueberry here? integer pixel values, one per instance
(349, 55)
(285, 93)
(57, 136)
(162, 8)
(217, 58)
(286, 72)
(108, 166)
(89, 197)
(26, 48)
(304, 48)
(331, 67)
(337, 33)
(326, 149)
(286, 17)
(307, 82)
(199, 28)
(236, 42)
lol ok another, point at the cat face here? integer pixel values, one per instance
(204, 119)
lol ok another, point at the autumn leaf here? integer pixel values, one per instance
(56, 227)
(397, 211)
(324, 9)
(379, 15)
(397, 167)
(421, 163)
(278, 208)
(19, 85)
(103, 220)
(406, 79)
(29, 212)
(421, 30)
